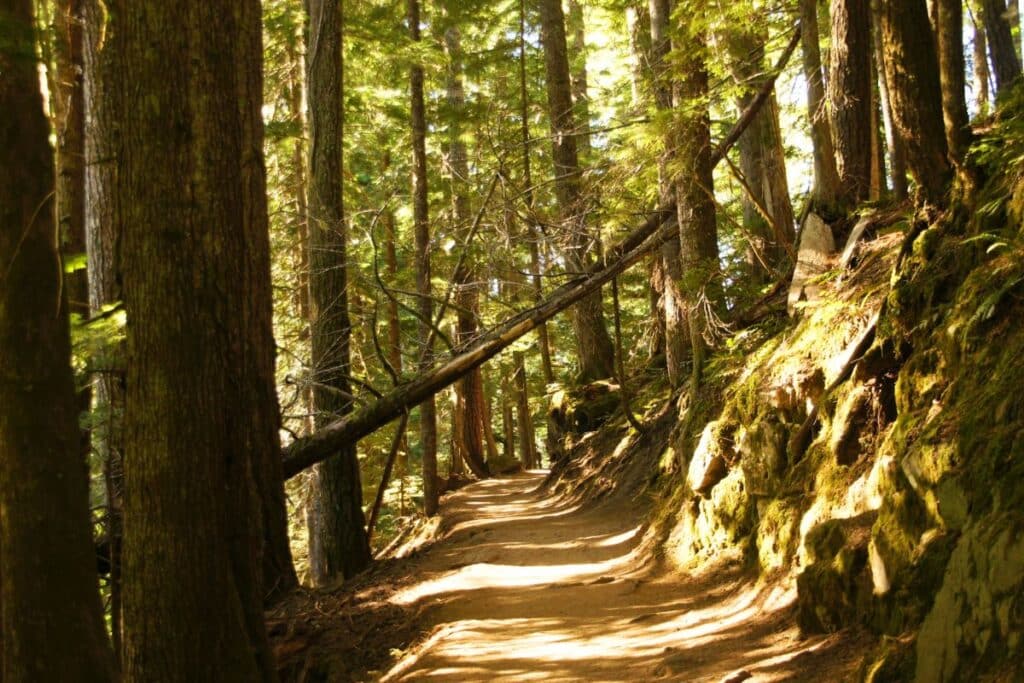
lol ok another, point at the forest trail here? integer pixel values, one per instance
(526, 587)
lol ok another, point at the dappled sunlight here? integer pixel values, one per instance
(531, 589)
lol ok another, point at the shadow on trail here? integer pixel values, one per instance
(527, 587)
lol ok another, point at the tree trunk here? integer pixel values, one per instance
(638, 23)
(338, 545)
(1005, 59)
(101, 48)
(51, 621)
(698, 230)
(197, 370)
(826, 176)
(981, 72)
(913, 74)
(849, 95)
(273, 557)
(894, 145)
(763, 161)
(466, 280)
(508, 424)
(428, 409)
(576, 28)
(670, 274)
(527, 446)
(594, 346)
(952, 68)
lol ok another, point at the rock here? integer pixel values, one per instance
(814, 257)
(850, 420)
(738, 676)
(850, 250)
(762, 449)
(708, 466)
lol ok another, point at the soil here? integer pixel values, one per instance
(525, 586)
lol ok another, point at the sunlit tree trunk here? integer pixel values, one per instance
(951, 67)
(698, 230)
(101, 47)
(51, 621)
(894, 145)
(849, 95)
(594, 346)
(428, 410)
(527, 446)
(826, 176)
(338, 545)
(980, 59)
(576, 28)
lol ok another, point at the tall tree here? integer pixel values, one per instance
(895, 145)
(594, 347)
(338, 544)
(533, 238)
(187, 186)
(913, 73)
(576, 28)
(826, 175)
(102, 42)
(421, 222)
(767, 208)
(979, 50)
(698, 230)
(51, 622)
(469, 440)
(849, 95)
(672, 308)
(1005, 58)
(950, 25)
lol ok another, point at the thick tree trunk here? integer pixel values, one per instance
(826, 176)
(51, 621)
(594, 346)
(849, 95)
(1005, 58)
(913, 74)
(197, 370)
(951, 67)
(420, 205)
(576, 29)
(338, 545)
(763, 161)
(638, 23)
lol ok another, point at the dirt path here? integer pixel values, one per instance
(526, 588)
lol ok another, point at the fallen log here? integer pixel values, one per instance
(655, 231)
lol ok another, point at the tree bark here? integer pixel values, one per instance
(428, 410)
(534, 235)
(913, 74)
(197, 371)
(763, 160)
(952, 74)
(576, 28)
(981, 72)
(698, 229)
(51, 621)
(594, 346)
(670, 273)
(470, 438)
(826, 175)
(338, 545)
(849, 96)
(895, 146)
(1005, 59)
(527, 445)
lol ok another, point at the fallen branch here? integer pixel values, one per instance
(659, 227)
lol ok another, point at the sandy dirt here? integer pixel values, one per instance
(527, 588)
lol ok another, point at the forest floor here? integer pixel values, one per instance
(526, 587)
